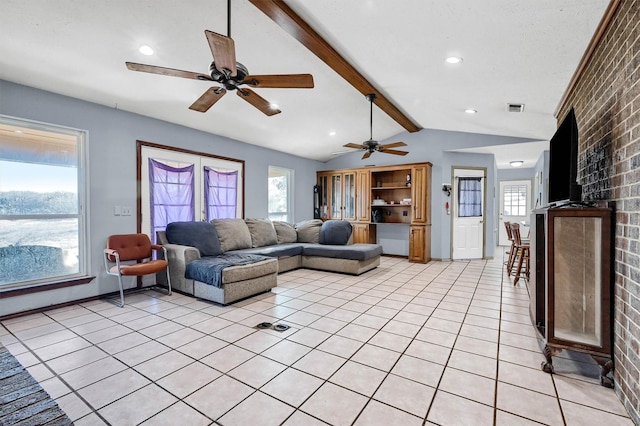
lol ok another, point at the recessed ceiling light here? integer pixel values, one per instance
(273, 106)
(146, 50)
(18, 131)
(332, 133)
(516, 163)
(471, 111)
(453, 60)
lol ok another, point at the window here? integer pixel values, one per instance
(220, 193)
(42, 203)
(280, 190)
(470, 197)
(515, 200)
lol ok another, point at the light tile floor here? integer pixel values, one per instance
(443, 343)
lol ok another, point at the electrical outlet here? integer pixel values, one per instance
(117, 210)
(126, 211)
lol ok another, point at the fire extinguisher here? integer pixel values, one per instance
(446, 206)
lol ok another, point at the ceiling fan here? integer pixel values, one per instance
(231, 75)
(371, 145)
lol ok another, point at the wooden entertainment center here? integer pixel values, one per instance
(367, 196)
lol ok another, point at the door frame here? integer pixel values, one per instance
(500, 209)
(484, 206)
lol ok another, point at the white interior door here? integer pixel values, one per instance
(468, 214)
(515, 206)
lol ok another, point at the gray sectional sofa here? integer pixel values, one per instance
(231, 259)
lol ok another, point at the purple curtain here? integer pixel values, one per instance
(220, 193)
(172, 195)
(470, 197)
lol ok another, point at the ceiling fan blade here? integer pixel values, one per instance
(393, 145)
(257, 101)
(223, 50)
(284, 81)
(366, 155)
(354, 145)
(208, 98)
(167, 71)
(393, 151)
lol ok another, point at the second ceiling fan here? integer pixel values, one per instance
(371, 145)
(231, 75)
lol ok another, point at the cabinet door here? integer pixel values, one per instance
(323, 183)
(417, 238)
(363, 196)
(349, 199)
(336, 196)
(420, 195)
(364, 233)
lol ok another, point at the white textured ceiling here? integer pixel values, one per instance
(514, 51)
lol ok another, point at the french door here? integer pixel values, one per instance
(177, 204)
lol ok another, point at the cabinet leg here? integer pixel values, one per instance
(547, 366)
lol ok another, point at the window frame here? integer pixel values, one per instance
(82, 215)
(276, 171)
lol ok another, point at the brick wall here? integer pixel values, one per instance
(606, 99)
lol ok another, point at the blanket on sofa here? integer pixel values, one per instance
(208, 270)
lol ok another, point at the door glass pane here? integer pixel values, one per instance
(324, 189)
(576, 277)
(515, 200)
(470, 197)
(349, 196)
(336, 197)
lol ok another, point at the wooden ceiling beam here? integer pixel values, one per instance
(292, 23)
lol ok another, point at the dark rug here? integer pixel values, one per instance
(22, 399)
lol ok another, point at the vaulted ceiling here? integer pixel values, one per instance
(522, 52)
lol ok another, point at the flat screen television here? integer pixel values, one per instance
(563, 162)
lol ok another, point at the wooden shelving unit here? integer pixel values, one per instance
(405, 190)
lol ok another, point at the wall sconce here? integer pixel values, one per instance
(446, 188)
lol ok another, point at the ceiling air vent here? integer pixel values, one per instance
(515, 107)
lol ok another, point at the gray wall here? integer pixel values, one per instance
(112, 136)
(435, 147)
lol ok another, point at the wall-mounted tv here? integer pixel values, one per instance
(563, 162)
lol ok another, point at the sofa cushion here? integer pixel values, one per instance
(286, 232)
(309, 231)
(277, 250)
(262, 232)
(232, 233)
(201, 235)
(352, 251)
(336, 232)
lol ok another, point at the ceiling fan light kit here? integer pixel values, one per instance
(231, 75)
(371, 145)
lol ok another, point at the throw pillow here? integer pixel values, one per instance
(335, 232)
(286, 232)
(233, 234)
(262, 232)
(309, 231)
(201, 235)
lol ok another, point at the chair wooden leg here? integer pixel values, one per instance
(519, 269)
(512, 258)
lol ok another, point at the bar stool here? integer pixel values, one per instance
(512, 250)
(522, 253)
